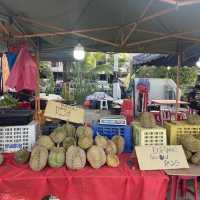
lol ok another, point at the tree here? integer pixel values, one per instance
(97, 59)
(83, 85)
(84, 73)
(187, 75)
(46, 73)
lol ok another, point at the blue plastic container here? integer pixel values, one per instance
(111, 130)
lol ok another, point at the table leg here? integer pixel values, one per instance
(173, 187)
(161, 117)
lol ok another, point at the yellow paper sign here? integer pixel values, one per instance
(161, 157)
(64, 112)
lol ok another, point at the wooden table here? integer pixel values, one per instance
(181, 113)
(168, 102)
(193, 170)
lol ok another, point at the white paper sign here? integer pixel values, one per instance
(65, 112)
(161, 157)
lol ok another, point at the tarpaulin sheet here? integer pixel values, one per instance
(23, 75)
(121, 183)
(11, 59)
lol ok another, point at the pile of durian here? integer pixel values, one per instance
(72, 147)
(191, 146)
(147, 120)
(193, 119)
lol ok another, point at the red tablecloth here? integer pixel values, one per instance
(106, 183)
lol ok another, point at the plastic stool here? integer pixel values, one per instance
(184, 189)
(103, 104)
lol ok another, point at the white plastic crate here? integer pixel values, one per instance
(149, 136)
(14, 138)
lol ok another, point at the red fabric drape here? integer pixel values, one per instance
(20, 183)
(144, 91)
(23, 75)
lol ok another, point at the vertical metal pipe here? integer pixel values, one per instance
(133, 89)
(178, 82)
(37, 93)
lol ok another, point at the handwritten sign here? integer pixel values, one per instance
(161, 157)
(64, 112)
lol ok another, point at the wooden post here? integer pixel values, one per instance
(37, 92)
(178, 82)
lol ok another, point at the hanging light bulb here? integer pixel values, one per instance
(79, 52)
(198, 63)
(168, 68)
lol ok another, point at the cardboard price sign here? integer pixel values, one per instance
(64, 112)
(161, 157)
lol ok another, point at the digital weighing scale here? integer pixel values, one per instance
(113, 120)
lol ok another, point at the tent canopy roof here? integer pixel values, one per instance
(151, 26)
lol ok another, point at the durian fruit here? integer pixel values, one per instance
(188, 154)
(112, 160)
(119, 142)
(58, 135)
(197, 136)
(56, 157)
(193, 119)
(84, 131)
(85, 142)
(101, 141)
(110, 147)
(1, 158)
(22, 156)
(96, 156)
(75, 158)
(68, 141)
(39, 157)
(70, 129)
(45, 141)
(147, 120)
(190, 143)
(195, 159)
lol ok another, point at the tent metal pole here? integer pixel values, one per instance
(37, 93)
(178, 37)
(162, 38)
(5, 30)
(178, 82)
(147, 7)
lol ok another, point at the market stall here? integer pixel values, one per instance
(104, 26)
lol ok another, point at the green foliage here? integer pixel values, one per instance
(46, 73)
(107, 69)
(92, 59)
(84, 74)
(83, 84)
(44, 70)
(187, 75)
(65, 94)
(7, 101)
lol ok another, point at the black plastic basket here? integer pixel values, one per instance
(13, 117)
